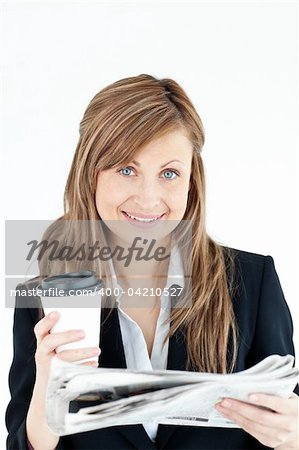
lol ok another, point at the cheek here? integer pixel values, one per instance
(178, 199)
(109, 195)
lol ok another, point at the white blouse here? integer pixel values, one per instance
(135, 348)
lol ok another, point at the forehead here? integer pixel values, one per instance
(175, 143)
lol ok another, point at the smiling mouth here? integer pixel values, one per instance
(141, 219)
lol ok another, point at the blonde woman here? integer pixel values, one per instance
(139, 157)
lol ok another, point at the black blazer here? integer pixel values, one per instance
(265, 327)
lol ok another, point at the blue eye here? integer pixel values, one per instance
(170, 171)
(129, 169)
(125, 168)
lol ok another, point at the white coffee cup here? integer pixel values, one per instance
(77, 298)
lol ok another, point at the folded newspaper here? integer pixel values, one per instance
(82, 398)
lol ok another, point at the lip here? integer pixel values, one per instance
(144, 216)
(146, 225)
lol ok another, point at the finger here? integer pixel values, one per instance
(78, 353)
(53, 340)
(268, 436)
(43, 326)
(274, 402)
(89, 363)
(254, 413)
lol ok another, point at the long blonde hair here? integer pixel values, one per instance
(118, 121)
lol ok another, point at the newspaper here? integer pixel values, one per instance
(82, 398)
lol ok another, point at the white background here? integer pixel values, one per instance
(237, 62)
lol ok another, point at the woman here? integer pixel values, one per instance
(139, 155)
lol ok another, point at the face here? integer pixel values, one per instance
(154, 185)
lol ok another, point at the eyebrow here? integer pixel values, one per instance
(173, 160)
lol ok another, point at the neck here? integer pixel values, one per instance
(145, 273)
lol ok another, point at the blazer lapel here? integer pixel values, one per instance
(112, 350)
(113, 356)
(177, 357)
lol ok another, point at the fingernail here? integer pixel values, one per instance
(53, 315)
(253, 397)
(96, 351)
(226, 403)
(80, 334)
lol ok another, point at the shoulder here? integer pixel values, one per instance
(249, 270)
(26, 291)
(29, 284)
(247, 262)
(27, 300)
(246, 257)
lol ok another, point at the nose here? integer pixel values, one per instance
(148, 196)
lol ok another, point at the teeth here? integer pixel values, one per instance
(141, 220)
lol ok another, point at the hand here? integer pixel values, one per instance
(277, 428)
(37, 429)
(48, 342)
